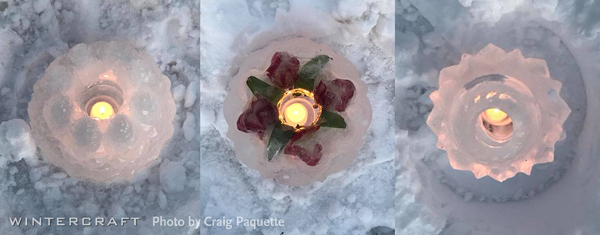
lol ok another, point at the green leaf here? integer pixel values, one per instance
(260, 88)
(309, 72)
(278, 140)
(331, 119)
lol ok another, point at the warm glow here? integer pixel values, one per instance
(495, 115)
(296, 114)
(102, 110)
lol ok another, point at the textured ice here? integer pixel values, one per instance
(522, 88)
(102, 150)
(340, 146)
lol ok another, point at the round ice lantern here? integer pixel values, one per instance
(102, 111)
(498, 113)
(297, 111)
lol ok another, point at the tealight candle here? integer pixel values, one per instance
(102, 110)
(298, 109)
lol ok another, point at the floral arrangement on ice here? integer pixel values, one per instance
(286, 74)
(297, 77)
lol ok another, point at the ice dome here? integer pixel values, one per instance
(102, 111)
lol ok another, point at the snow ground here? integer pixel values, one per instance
(353, 201)
(32, 34)
(431, 35)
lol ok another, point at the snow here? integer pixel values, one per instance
(365, 215)
(172, 177)
(190, 95)
(179, 93)
(189, 126)
(16, 143)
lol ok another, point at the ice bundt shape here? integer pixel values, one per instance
(113, 147)
(494, 84)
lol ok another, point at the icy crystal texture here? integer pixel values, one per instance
(339, 147)
(102, 150)
(520, 87)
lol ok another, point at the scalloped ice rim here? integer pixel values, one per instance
(93, 59)
(488, 59)
(285, 168)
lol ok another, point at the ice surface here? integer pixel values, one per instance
(102, 150)
(340, 146)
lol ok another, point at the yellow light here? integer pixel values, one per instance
(102, 110)
(495, 115)
(296, 114)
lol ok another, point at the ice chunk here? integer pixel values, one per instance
(162, 200)
(365, 215)
(172, 177)
(207, 116)
(179, 93)
(111, 148)
(16, 142)
(189, 126)
(335, 210)
(190, 95)
(41, 5)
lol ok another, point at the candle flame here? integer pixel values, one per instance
(102, 110)
(296, 114)
(495, 115)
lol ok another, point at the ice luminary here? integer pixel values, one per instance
(102, 111)
(497, 113)
(297, 112)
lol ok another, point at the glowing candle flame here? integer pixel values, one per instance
(102, 110)
(296, 114)
(495, 115)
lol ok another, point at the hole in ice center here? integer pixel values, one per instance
(99, 93)
(497, 124)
